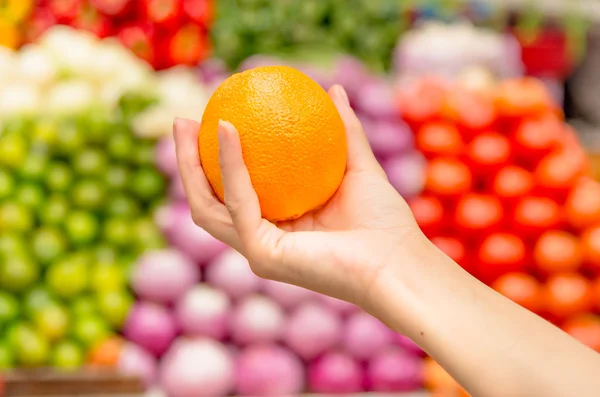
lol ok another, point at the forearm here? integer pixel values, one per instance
(488, 343)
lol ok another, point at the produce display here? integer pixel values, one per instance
(508, 195)
(101, 264)
(164, 33)
(78, 190)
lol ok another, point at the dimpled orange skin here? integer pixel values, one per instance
(292, 136)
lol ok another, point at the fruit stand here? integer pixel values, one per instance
(107, 287)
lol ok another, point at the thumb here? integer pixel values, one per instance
(240, 198)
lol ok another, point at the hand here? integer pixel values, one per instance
(339, 250)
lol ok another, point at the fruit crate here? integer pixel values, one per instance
(89, 383)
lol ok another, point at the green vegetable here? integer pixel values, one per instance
(82, 227)
(18, 272)
(52, 321)
(67, 355)
(15, 217)
(48, 244)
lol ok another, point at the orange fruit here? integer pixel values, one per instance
(292, 136)
(106, 353)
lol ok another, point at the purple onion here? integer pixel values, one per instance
(395, 371)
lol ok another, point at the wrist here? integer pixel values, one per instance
(407, 288)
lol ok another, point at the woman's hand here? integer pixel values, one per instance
(339, 250)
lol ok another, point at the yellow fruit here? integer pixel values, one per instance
(9, 35)
(292, 136)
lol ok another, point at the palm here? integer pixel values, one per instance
(363, 201)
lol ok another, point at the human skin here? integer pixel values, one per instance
(365, 247)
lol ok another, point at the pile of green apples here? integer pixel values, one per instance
(76, 199)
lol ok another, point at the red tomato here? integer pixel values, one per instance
(533, 215)
(448, 177)
(590, 241)
(439, 139)
(557, 251)
(512, 182)
(163, 12)
(428, 212)
(559, 171)
(200, 11)
(139, 38)
(452, 247)
(536, 137)
(422, 100)
(488, 152)
(568, 294)
(500, 253)
(64, 10)
(477, 213)
(586, 329)
(523, 97)
(470, 109)
(582, 208)
(188, 46)
(521, 288)
(596, 293)
(90, 20)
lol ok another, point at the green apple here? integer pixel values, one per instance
(67, 355)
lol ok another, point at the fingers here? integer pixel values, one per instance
(209, 213)
(360, 155)
(240, 198)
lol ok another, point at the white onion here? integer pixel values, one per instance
(203, 311)
(71, 96)
(163, 276)
(35, 65)
(197, 367)
(269, 370)
(19, 98)
(313, 329)
(74, 51)
(231, 273)
(135, 361)
(257, 319)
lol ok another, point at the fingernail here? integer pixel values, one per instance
(340, 92)
(222, 130)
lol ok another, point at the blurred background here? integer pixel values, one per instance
(484, 114)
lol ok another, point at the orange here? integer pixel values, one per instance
(106, 353)
(292, 136)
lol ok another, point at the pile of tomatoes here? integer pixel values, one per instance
(164, 33)
(508, 196)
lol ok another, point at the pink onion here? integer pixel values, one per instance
(163, 276)
(197, 367)
(406, 173)
(377, 98)
(175, 220)
(231, 272)
(150, 326)
(335, 373)
(176, 189)
(313, 329)
(212, 69)
(352, 74)
(408, 345)
(203, 311)
(366, 336)
(257, 319)
(339, 306)
(269, 370)
(388, 138)
(165, 158)
(287, 295)
(137, 362)
(395, 371)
